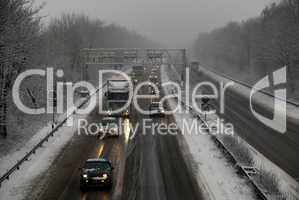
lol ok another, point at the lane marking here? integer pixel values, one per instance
(127, 129)
(84, 197)
(105, 196)
(101, 150)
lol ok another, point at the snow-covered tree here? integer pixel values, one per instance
(19, 29)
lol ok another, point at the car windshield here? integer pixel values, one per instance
(98, 165)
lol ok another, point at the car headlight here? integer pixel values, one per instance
(85, 176)
(105, 176)
(114, 130)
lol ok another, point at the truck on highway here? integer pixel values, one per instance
(138, 69)
(117, 96)
(137, 73)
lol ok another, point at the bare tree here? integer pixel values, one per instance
(19, 28)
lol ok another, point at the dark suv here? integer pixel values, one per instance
(96, 173)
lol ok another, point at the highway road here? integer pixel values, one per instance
(282, 149)
(148, 167)
(61, 181)
(159, 169)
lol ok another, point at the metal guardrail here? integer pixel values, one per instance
(246, 85)
(44, 140)
(250, 86)
(259, 192)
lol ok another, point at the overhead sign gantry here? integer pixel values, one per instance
(132, 56)
(113, 56)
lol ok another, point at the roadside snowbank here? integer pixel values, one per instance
(19, 184)
(287, 184)
(217, 175)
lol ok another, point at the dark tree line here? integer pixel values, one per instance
(256, 47)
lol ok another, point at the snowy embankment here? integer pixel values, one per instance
(286, 183)
(218, 177)
(20, 182)
(9, 160)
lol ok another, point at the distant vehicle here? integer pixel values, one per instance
(138, 70)
(153, 91)
(194, 64)
(153, 78)
(135, 81)
(174, 91)
(117, 96)
(109, 126)
(96, 173)
(84, 93)
(118, 67)
(134, 77)
(156, 110)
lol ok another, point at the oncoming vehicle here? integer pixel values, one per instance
(109, 126)
(96, 173)
(156, 110)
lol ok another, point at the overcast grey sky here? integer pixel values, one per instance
(172, 22)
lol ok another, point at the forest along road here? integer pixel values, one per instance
(282, 149)
(154, 166)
